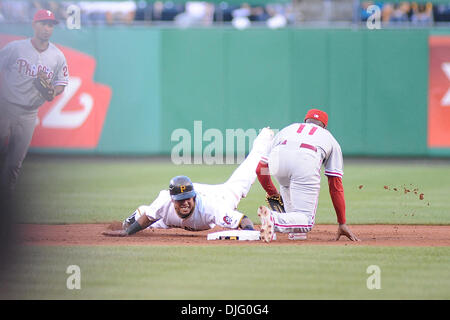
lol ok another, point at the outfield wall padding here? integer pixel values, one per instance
(373, 83)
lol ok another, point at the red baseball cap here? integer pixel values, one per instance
(318, 115)
(44, 15)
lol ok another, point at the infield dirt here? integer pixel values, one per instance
(91, 235)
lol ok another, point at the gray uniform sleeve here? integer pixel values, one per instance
(5, 54)
(62, 74)
(334, 165)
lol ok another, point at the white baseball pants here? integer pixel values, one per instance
(298, 173)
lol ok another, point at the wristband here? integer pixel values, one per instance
(135, 227)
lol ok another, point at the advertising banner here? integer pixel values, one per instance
(439, 92)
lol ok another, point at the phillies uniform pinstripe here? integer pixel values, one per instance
(295, 160)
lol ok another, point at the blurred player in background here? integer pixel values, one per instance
(194, 206)
(21, 62)
(295, 159)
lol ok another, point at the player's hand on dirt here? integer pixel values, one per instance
(115, 233)
(344, 230)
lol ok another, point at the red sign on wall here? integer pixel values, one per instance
(439, 92)
(75, 118)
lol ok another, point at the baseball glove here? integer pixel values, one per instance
(44, 87)
(275, 203)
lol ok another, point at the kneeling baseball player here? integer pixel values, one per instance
(196, 207)
(295, 158)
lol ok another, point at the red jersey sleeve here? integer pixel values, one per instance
(337, 197)
(262, 172)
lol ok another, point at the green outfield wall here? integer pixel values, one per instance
(373, 83)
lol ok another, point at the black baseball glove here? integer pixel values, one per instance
(275, 203)
(44, 87)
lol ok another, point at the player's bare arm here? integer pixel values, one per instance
(140, 224)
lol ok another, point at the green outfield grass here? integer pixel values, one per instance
(89, 190)
(94, 190)
(217, 272)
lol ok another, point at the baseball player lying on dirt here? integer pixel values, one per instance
(197, 207)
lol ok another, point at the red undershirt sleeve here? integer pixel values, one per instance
(337, 197)
(262, 172)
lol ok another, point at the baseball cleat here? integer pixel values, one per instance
(267, 224)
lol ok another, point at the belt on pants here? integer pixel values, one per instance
(308, 146)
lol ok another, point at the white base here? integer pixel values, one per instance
(241, 235)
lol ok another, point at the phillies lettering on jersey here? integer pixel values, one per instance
(31, 70)
(20, 62)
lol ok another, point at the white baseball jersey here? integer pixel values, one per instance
(211, 209)
(20, 63)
